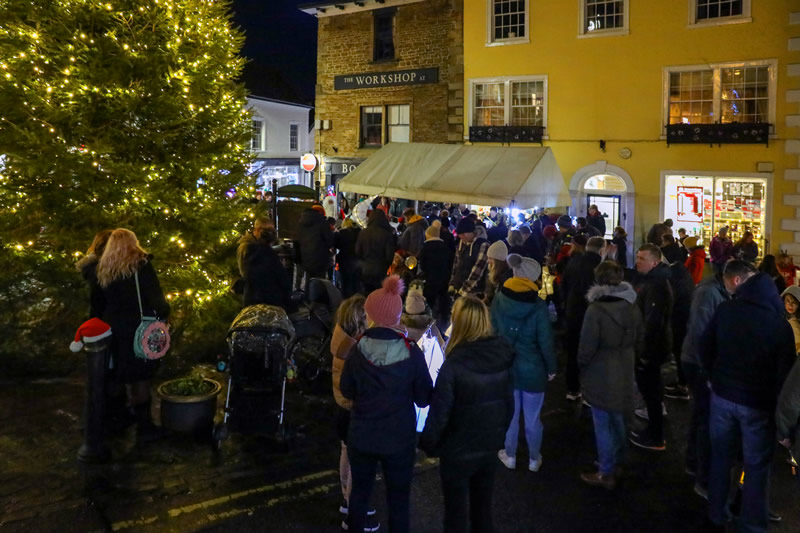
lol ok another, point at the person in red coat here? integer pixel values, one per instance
(696, 261)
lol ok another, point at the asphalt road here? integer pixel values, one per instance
(254, 485)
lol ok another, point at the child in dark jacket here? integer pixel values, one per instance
(384, 376)
(436, 262)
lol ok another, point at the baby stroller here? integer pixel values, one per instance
(314, 323)
(257, 365)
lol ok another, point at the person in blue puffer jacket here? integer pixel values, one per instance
(519, 315)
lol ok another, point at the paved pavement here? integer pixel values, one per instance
(180, 485)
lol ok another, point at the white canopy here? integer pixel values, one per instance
(482, 175)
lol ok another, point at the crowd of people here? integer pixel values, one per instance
(733, 334)
(622, 326)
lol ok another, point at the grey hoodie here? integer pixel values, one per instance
(611, 338)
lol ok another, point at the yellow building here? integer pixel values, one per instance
(605, 78)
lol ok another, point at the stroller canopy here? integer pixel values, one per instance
(262, 317)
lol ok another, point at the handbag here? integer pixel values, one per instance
(151, 340)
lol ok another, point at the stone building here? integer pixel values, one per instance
(387, 71)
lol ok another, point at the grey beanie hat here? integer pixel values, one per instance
(498, 250)
(794, 290)
(524, 267)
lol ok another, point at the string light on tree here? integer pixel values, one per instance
(111, 113)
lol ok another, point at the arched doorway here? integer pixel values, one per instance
(612, 190)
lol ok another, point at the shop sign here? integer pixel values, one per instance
(396, 78)
(343, 168)
(308, 162)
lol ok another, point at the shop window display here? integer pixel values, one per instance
(704, 204)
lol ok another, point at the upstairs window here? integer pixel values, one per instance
(719, 11)
(398, 126)
(508, 20)
(371, 126)
(691, 97)
(604, 17)
(257, 137)
(745, 94)
(383, 22)
(292, 137)
(510, 102)
(725, 93)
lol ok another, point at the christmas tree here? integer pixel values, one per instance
(124, 113)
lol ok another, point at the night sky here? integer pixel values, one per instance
(281, 46)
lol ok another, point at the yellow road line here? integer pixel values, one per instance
(236, 495)
(172, 513)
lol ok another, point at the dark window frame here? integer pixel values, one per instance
(294, 137)
(383, 34)
(367, 127)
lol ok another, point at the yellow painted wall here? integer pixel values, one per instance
(611, 88)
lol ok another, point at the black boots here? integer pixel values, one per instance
(146, 431)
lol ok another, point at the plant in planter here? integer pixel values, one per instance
(188, 404)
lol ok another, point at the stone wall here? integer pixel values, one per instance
(427, 34)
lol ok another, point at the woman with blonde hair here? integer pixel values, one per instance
(470, 411)
(122, 262)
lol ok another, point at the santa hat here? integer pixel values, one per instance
(92, 330)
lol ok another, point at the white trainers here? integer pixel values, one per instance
(642, 413)
(508, 462)
(535, 464)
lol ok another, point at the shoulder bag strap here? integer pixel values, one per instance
(138, 295)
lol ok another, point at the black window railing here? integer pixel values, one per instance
(731, 133)
(506, 134)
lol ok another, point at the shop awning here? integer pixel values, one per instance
(482, 175)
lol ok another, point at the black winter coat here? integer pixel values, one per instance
(748, 348)
(436, 262)
(654, 297)
(375, 246)
(120, 310)
(578, 279)
(598, 222)
(315, 240)
(345, 241)
(473, 401)
(622, 251)
(535, 246)
(675, 253)
(497, 233)
(682, 285)
(385, 375)
(88, 268)
(266, 281)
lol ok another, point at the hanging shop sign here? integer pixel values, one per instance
(308, 162)
(418, 76)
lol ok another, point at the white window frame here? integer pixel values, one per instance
(624, 30)
(387, 113)
(744, 18)
(297, 126)
(491, 41)
(507, 80)
(772, 91)
(263, 137)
